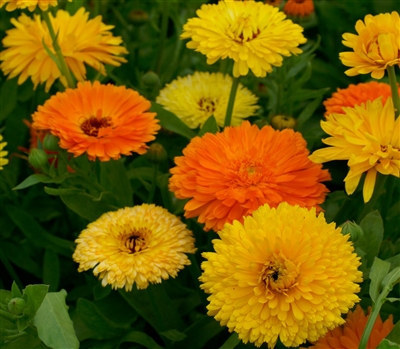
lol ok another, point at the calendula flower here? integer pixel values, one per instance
(82, 41)
(134, 245)
(255, 35)
(30, 4)
(278, 275)
(299, 8)
(376, 46)
(194, 98)
(3, 153)
(230, 174)
(356, 95)
(368, 137)
(105, 121)
(348, 336)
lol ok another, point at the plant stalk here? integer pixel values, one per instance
(163, 35)
(395, 90)
(153, 184)
(369, 206)
(231, 102)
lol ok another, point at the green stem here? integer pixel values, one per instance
(64, 70)
(395, 90)
(10, 268)
(231, 102)
(153, 184)
(163, 35)
(7, 315)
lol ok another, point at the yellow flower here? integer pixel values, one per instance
(30, 4)
(255, 35)
(376, 47)
(3, 153)
(283, 273)
(194, 98)
(82, 41)
(141, 244)
(368, 136)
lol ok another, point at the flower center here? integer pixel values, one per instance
(136, 242)
(278, 275)
(244, 28)
(208, 104)
(92, 125)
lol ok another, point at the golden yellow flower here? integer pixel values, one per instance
(194, 98)
(134, 245)
(82, 41)
(368, 136)
(30, 4)
(255, 35)
(376, 46)
(283, 273)
(3, 153)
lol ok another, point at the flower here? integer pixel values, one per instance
(193, 101)
(82, 41)
(278, 275)
(376, 46)
(30, 4)
(134, 245)
(273, 2)
(255, 35)
(299, 8)
(230, 174)
(103, 120)
(356, 95)
(348, 336)
(368, 137)
(3, 153)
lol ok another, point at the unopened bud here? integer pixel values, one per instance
(353, 229)
(38, 158)
(280, 122)
(138, 17)
(50, 142)
(150, 79)
(16, 306)
(156, 153)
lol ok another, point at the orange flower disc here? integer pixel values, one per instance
(230, 174)
(104, 121)
(299, 8)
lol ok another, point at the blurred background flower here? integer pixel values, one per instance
(299, 8)
(3, 153)
(30, 4)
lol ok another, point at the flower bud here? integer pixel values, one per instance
(16, 306)
(50, 142)
(156, 153)
(138, 17)
(353, 229)
(38, 158)
(150, 79)
(280, 122)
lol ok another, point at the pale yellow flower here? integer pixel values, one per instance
(30, 4)
(3, 153)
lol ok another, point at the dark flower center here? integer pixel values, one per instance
(208, 105)
(92, 125)
(137, 241)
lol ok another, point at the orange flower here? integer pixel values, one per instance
(299, 8)
(230, 174)
(356, 95)
(103, 120)
(349, 335)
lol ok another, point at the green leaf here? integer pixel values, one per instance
(32, 180)
(25, 342)
(394, 335)
(140, 338)
(53, 323)
(99, 292)
(378, 272)
(173, 335)
(210, 126)
(6, 295)
(391, 279)
(387, 344)
(308, 111)
(391, 300)
(171, 122)
(15, 292)
(34, 296)
(8, 97)
(61, 191)
(232, 342)
(22, 324)
(51, 269)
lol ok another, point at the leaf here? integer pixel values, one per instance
(232, 342)
(51, 269)
(394, 335)
(34, 296)
(387, 344)
(32, 180)
(61, 191)
(53, 323)
(142, 339)
(99, 292)
(391, 279)
(8, 97)
(171, 122)
(308, 111)
(15, 292)
(210, 126)
(173, 335)
(378, 272)
(26, 342)
(6, 295)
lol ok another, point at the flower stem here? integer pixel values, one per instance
(163, 35)
(231, 102)
(153, 184)
(64, 70)
(395, 90)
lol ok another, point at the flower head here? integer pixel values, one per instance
(368, 136)
(349, 335)
(3, 153)
(82, 41)
(134, 245)
(255, 35)
(193, 101)
(299, 8)
(230, 174)
(30, 4)
(376, 47)
(277, 275)
(104, 121)
(356, 95)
